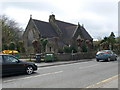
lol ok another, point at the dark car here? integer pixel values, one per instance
(106, 55)
(12, 65)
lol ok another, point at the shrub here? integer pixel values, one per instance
(84, 47)
(12, 46)
(66, 49)
(5, 47)
(69, 49)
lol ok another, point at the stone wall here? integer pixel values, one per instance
(76, 56)
(63, 57)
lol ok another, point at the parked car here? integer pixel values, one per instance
(12, 65)
(106, 55)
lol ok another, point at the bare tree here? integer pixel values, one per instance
(11, 32)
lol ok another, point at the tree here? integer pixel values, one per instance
(96, 45)
(69, 49)
(112, 35)
(73, 49)
(104, 44)
(20, 47)
(12, 46)
(11, 32)
(118, 40)
(66, 49)
(117, 44)
(5, 47)
(104, 40)
(111, 40)
(108, 42)
(43, 42)
(84, 47)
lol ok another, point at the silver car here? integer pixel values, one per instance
(106, 55)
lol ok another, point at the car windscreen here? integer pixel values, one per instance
(99, 52)
(9, 59)
(105, 52)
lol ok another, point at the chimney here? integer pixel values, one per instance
(52, 17)
(78, 24)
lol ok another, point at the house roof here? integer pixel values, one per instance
(45, 28)
(66, 28)
(85, 34)
(69, 29)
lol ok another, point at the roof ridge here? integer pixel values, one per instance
(40, 20)
(56, 20)
(66, 22)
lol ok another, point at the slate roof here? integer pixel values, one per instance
(66, 28)
(45, 28)
(85, 34)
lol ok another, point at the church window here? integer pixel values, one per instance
(50, 49)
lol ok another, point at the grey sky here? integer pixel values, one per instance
(100, 17)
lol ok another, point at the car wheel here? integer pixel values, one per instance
(116, 59)
(29, 70)
(97, 60)
(108, 59)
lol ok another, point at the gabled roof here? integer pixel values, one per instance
(66, 28)
(45, 28)
(85, 34)
(69, 29)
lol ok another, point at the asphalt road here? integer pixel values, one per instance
(75, 75)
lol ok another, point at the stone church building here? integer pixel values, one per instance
(58, 34)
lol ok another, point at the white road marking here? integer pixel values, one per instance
(88, 66)
(33, 76)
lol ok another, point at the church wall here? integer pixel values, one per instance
(30, 34)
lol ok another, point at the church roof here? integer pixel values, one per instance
(67, 29)
(46, 30)
(85, 34)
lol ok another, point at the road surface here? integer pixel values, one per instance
(89, 74)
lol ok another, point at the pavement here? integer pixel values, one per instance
(46, 64)
(111, 82)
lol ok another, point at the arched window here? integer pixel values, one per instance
(30, 37)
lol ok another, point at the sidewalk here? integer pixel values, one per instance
(43, 64)
(111, 82)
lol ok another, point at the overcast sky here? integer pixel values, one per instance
(100, 17)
